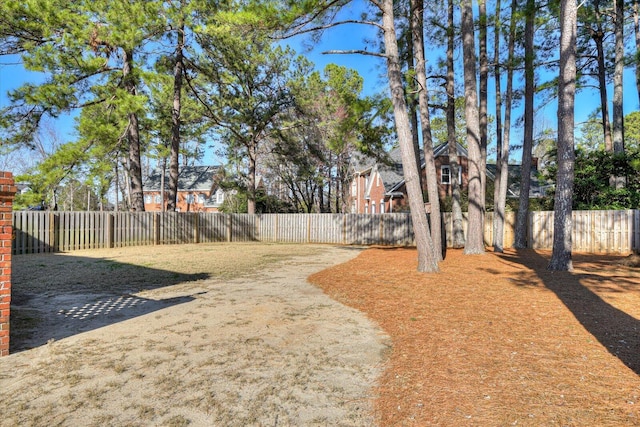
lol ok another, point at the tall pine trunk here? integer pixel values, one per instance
(522, 216)
(133, 137)
(562, 224)
(636, 29)
(475, 229)
(618, 119)
(597, 35)
(417, 30)
(503, 153)
(251, 184)
(618, 112)
(456, 209)
(484, 85)
(426, 259)
(498, 207)
(178, 72)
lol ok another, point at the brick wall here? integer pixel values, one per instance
(7, 193)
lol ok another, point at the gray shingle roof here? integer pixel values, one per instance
(190, 178)
(392, 173)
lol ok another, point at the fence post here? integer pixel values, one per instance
(111, 231)
(196, 228)
(344, 229)
(229, 226)
(156, 229)
(7, 193)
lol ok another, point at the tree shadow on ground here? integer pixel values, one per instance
(55, 296)
(616, 330)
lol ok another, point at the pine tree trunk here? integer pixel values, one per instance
(618, 119)
(498, 207)
(636, 29)
(426, 258)
(562, 225)
(475, 229)
(484, 85)
(598, 38)
(522, 216)
(503, 164)
(175, 123)
(412, 100)
(457, 240)
(133, 136)
(618, 111)
(251, 185)
(417, 30)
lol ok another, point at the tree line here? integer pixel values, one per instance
(159, 79)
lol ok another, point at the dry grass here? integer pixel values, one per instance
(498, 340)
(490, 340)
(224, 334)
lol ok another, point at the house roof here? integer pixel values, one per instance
(190, 178)
(537, 187)
(392, 171)
(393, 178)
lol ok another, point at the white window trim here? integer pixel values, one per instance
(448, 168)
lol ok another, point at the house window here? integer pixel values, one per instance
(189, 198)
(445, 174)
(147, 198)
(219, 196)
(354, 188)
(157, 198)
(382, 206)
(201, 199)
(373, 207)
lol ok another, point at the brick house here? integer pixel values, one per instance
(379, 187)
(197, 190)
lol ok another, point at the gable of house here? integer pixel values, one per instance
(197, 189)
(367, 170)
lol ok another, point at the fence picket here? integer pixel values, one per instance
(38, 232)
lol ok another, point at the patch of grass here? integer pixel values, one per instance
(177, 421)
(145, 412)
(24, 322)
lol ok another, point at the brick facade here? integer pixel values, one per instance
(7, 193)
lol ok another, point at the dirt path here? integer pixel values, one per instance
(264, 349)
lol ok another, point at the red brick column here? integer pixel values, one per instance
(7, 193)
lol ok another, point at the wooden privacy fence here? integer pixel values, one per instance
(41, 232)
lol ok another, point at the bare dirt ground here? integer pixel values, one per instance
(232, 335)
(497, 340)
(204, 335)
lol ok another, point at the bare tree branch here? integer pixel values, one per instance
(354, 51)
(327, 26)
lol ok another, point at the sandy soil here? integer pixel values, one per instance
(203, 335)
(232, 335)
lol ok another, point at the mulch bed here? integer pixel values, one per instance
(496, 339)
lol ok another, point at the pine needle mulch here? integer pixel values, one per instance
(497, 340)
